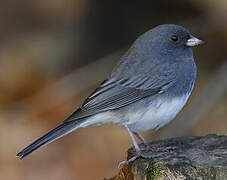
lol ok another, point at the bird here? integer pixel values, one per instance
(145, 90)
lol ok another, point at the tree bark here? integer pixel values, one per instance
(193, 158)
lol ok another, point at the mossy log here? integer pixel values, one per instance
(190, 158)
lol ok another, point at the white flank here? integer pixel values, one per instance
(158, 114)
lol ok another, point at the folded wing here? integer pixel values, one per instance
(115, 93)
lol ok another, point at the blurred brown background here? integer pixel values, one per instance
(53, 53)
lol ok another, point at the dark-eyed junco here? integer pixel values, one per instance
(146, 90)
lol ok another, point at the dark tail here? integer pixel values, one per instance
(51, 136)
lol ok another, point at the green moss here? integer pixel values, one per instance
(153, 171)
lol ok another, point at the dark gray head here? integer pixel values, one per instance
(168, 39)
(158, 50)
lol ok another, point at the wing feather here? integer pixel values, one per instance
(115, 93)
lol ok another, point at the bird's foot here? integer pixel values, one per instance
(146, 155)
(128, 161)
(139, 154)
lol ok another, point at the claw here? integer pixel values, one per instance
(128, 161)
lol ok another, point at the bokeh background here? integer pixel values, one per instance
(53, 53)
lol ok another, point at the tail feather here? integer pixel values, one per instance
(58, 132)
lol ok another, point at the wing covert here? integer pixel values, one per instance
(115, 93)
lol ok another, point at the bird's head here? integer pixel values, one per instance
(167, 39)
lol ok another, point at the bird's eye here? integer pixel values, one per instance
(174, 38)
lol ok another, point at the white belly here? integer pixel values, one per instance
(157, 114)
